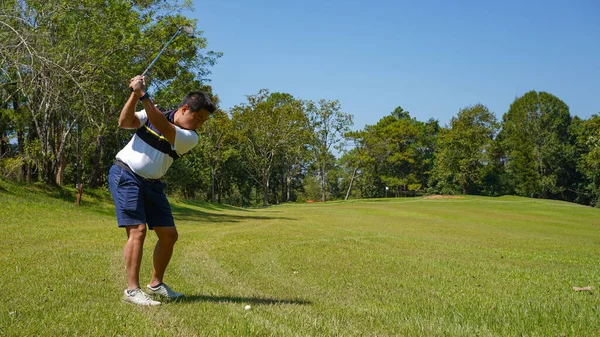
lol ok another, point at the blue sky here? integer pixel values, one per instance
(430, 57)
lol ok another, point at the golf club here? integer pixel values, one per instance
(189, 31)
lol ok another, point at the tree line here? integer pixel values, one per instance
(63, 80)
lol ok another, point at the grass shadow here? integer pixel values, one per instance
(213, 206)
(243, 300)
(191, 214)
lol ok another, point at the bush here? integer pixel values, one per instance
(10, 168)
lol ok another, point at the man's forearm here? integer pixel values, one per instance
(127, 117)
(159, 121)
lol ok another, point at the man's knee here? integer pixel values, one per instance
(136, 232)
(173, 236)
(167, 235)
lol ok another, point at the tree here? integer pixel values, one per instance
(217, 146)
(535, 139)
(396, 145)
(587, 140)
(329, 124)
(356, 158)
(464, 150)
(267, 125)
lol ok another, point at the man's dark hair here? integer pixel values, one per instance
(198, 100)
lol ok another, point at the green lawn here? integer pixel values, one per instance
(397, 267)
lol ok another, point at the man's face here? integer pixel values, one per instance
(192, 120)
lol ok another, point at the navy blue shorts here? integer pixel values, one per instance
(138, 200)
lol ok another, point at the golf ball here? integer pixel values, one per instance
(247, 307)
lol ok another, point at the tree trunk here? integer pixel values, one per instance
(21, 149)
(31, 135)
(97, 167)
(265, 190)
(283, 180)
(275, 195)
(288, 192)
(60, 172)
(212, 179)
(79, 168)
(219, 191)
(2, 140)
(20, 142)
(351, 181)
(79, 194)
(3, 143)
(323, 180)
(48, 172)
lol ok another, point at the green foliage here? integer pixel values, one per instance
(328, 124)
(587, 140)
(71, 61)
(312, 189)
(269, 126)
(189, 176)
(397, 152)
(10, 168)
(465, 151)
(536, 142)
(217, 145)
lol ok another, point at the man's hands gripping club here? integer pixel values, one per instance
(138, 85)
(129, 120)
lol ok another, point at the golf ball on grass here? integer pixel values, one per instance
(247, 307)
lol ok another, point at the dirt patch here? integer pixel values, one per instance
(444, 197)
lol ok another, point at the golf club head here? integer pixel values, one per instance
(189, 31)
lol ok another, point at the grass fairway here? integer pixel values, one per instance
(396, 267)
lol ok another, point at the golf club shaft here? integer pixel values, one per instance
(162, 50)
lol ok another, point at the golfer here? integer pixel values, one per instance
(135, 184)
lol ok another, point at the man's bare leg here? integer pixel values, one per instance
(167, 236)
(134, 248)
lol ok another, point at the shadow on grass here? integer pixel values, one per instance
(90, 197)
(189, 214)
(213, 206)
(244, 300)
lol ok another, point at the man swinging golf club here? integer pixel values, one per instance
(135, 184)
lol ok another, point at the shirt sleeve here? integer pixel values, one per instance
(185, 140)
(142, 116)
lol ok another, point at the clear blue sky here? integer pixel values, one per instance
(430, 57)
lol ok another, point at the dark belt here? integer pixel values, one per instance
(122, 165)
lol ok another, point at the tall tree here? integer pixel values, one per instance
(464, 150)
(356, 158)
(329, 124)
(396, 146)
(267, 125)
(536, 142)
(217, 146)
(587, 140)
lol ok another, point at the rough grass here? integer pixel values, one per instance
(395, 267)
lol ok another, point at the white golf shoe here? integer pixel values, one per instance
(137, 296)
(164, 291)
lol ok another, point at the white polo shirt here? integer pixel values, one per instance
(146, 160)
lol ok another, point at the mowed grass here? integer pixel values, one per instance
(396, 267)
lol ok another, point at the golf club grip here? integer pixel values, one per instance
(144, 73)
